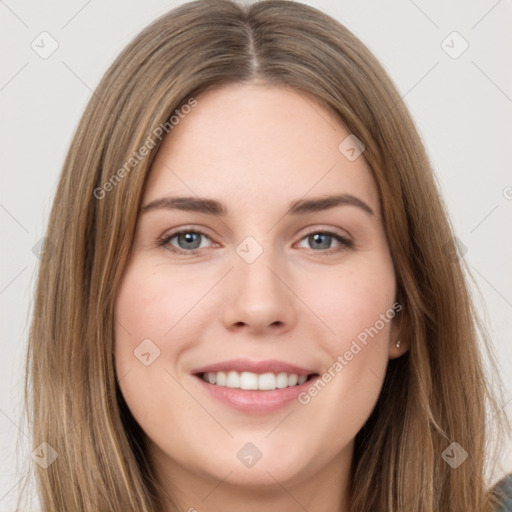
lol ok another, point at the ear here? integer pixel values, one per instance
(400, 330)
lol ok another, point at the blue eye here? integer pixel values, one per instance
(323, 239)
(189, 241)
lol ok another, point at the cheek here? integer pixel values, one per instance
(356, 304)
(151, 303)
(151, 331)
(361, 313)
(358, 311)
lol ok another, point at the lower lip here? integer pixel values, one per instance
(255, 401)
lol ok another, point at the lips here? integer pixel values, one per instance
(250, 401)
(259, 367)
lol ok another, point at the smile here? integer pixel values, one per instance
(253, 381)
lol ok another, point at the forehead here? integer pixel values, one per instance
(256, 143)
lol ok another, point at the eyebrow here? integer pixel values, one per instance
(213, 207)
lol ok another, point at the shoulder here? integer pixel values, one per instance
(503, 489)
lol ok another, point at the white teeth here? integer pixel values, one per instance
(249, 380)
(267, 381)
(282, 380)
(233, 380)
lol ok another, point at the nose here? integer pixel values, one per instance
(259, 298)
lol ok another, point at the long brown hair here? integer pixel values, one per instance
(434, 395)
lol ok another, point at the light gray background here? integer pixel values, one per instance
(462, 107)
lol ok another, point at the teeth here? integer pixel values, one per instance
(249, 380)
(302, 379)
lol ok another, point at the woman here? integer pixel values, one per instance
(259, 367)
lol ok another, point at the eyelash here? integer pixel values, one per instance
(345, 242)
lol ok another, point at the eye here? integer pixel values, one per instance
(323, 239)
(188, 240)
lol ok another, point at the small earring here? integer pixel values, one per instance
(398, 344)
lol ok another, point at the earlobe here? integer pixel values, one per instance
(398, 348)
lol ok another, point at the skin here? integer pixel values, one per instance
(256, 148)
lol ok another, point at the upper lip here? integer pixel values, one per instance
(259, 367)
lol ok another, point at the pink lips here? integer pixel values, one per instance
(259, 367)
(254, 401)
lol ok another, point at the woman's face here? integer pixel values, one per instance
(277, 277)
